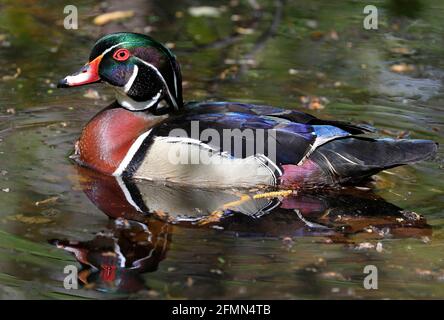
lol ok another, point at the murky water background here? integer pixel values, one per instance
(299, 54)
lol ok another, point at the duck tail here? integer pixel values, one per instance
(355, 158)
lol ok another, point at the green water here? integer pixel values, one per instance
(281, 51)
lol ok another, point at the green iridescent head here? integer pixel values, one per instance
(141, 70)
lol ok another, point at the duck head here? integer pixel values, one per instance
(143, 72)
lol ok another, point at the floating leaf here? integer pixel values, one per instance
(402, 67)
(12, 77)
(314, 103)
(46, 201)
(204, 11)
(108, 17)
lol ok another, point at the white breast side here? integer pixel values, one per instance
(188, 161)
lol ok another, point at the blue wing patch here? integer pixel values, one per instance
(326, 132)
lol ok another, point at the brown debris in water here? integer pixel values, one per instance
(92, 94)
(402, 68)
(402, 51)
(14, 76)
(108, 17)
(313, 103)
(46, 201)
(29, 220)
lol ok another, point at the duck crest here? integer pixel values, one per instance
(109, 137)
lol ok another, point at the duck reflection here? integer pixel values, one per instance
(143, 215)
(114, 259)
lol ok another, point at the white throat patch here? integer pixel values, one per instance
(132, 105)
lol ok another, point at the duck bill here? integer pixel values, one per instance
(89, 73)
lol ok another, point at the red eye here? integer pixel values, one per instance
(121, 55)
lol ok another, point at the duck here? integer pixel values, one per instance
(150, 133)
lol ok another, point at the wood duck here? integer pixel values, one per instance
(150, 133)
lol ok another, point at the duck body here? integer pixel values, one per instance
(149, 133)
(124, 143)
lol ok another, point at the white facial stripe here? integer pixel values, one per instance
(130, 82)
(130, 154)
(112, 47)
(163, 80)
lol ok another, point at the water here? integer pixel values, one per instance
(301, 49)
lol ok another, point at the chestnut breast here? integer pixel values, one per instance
(108, 136)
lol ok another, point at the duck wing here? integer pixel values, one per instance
(241, 135)
(264, 110)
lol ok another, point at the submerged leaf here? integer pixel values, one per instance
(29, 220)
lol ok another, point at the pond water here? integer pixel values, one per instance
(312, 56)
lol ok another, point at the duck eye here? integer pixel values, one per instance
(121, 55)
